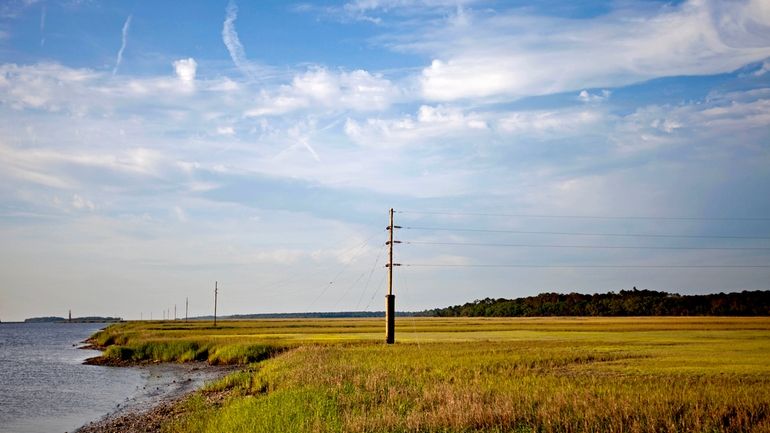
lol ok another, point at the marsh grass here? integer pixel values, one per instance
(472, 375)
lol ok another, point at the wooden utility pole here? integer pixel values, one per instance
(390, 298)
(215, 303)
(186, 304)
(174, 311)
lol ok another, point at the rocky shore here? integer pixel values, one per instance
(159, 400)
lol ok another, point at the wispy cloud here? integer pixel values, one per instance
(124, 40)
(232, 42)
(508, 54)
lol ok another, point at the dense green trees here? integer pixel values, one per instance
(624, 303)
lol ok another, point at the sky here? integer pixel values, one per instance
(149, 149)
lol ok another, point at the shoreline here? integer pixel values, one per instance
(167, 385)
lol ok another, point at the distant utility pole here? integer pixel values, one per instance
(174, 311)
(185, 308)
(390, 298)
(70, 317)
(215, 303)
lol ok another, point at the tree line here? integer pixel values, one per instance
(624, 303)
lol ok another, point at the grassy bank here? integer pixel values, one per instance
(230, 342)
(468, 375)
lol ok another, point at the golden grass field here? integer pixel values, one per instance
(678, 374)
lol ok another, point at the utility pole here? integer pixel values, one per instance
(215, 303)
(186, 300)
(70, 317)
(390, 298)
(174, 311)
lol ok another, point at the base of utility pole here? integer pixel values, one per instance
(390, 319)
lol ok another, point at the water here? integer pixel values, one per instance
(44, 387)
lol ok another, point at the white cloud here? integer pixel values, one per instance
(180, 214)
(81, 203)
(62, 168)
(366, 10)
(508, 54)
(429, 123)
(586, 96)
(283, 256)
(472, 77)
(226, 130)
(124, 41)
(567, 121)
(763, 70)
(48, 86)
(224, 85)
(456, 124)
(666, 125)
(357, 90)
(714, 128)
(79, 92)
(185, 69)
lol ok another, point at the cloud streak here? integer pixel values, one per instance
(124, 41)
(232, 42)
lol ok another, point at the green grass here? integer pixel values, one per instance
(470, 375)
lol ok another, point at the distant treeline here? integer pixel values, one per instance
(624, 303)
(90, 319)
(313, 315)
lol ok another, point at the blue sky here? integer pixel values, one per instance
(147, 150)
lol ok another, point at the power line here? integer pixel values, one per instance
(631, 235)
(517, 265)
(358, 251)
(603, 217)
(377, 288)
(369, 278)
(621, 247)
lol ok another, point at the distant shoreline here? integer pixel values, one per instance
(88, 319)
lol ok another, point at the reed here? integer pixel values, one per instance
(474, 375)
